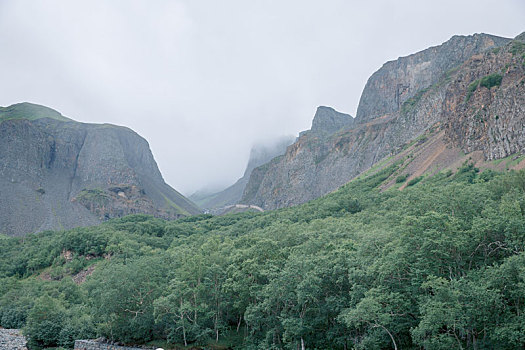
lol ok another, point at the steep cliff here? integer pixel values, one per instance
(259, 155)
(296, 176)
(56, 173)
(401, 103)
(397, 81)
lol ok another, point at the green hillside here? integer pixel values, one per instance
(439, 265)
(29, 111)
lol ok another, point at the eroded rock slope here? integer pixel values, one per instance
(467, 94)
(56, 173)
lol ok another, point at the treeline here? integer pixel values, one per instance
(439, 265)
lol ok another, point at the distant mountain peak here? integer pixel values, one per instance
(328, 120)
(261, 153)
(520, 37)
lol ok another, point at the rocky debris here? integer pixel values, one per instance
(12, 339)
(56, 173)
(67, 255)
(120, 201)
(80, 277)
(101, 345)
(236, 208)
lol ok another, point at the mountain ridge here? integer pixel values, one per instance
(60, 174)
(315, 164)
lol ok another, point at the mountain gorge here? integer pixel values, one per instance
(56, 173)
(259, 154)
(416, 239)
(452, 101)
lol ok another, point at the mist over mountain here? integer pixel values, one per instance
(401, 228)
(441, 95)
(260, 154)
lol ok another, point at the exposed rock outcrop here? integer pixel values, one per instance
(401, 102)
(259, 155)
(328, 121)
(12, 339)
(397, 81)
(56, 173)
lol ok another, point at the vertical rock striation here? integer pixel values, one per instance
(56, 173)
(400, 102)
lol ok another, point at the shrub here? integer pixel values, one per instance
(487, 81)
(471, 88)
(491, 80)
(12, 317)
(44, 323)
(414, 181)
(409, 104)
(517, 48)
(79, 326)
(401, 178)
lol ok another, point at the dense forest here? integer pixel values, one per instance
(438, 265)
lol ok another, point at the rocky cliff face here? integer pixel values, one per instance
(484, 108)
(298, 176)
(259, 155)
(397, 81)
(328, 121)
(401, 102)
(56, 173)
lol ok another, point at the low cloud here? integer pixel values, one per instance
(202, 80)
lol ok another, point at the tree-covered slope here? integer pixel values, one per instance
(439, 265)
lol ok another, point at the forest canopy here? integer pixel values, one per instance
(439, 265)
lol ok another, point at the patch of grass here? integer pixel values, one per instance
(93, 196)
(175, 206)
(515, 161)
(409, 104)
(375, 167)
(488, 81)
(517, 48)
(29, 111)
(471, 88)
(498, 161)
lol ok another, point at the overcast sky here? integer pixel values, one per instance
(204, 80)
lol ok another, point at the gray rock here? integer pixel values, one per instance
(400, 102)
(397, 81)
(328, 121)
(56, 173)
(12, 339)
